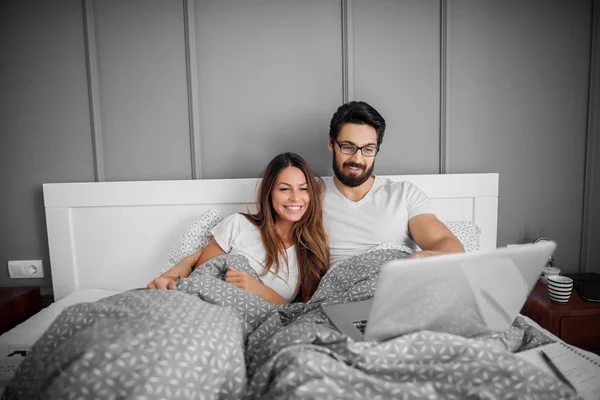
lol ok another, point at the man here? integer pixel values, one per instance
(363, 210)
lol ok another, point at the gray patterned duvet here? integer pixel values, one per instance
(211, 340)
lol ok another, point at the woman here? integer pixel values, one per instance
(285, 241)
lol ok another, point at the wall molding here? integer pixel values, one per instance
(443, 84)
(189, 22)
(91, 56)
(347, 50)
(593, 129)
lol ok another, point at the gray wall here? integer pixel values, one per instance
(269, 76)
(180, 89)
(591, 242)
(517, 105)
(44, 121)
(396, 69)
(142, 94)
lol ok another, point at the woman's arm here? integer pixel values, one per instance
(209, 252)
(272, 296)
(246, 281)
(184, 268)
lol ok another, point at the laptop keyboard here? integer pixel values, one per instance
(360, 325)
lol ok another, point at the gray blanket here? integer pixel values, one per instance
(209, 339)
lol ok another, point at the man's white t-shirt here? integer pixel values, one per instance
(379, 217)
(236, 235)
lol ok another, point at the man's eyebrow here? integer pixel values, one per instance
(354, 144)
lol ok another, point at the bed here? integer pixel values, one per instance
(109, 239)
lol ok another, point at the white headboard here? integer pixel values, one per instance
(115, 235)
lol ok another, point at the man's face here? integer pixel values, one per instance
(353, 170)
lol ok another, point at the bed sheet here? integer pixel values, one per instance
(24, 335)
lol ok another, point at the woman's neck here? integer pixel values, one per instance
(284, 231)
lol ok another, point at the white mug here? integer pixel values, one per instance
(560, 288)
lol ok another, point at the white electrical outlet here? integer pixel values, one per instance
(25, 269)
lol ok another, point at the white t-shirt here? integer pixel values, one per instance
(236, 235)
(379, 217)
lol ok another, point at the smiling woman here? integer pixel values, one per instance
(285, 241)
(290, 199)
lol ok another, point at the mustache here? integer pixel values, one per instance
(355, 165)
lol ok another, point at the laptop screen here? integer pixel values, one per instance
(464, 294)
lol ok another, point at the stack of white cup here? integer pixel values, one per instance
(560, 288)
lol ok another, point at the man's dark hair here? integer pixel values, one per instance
(357, 112)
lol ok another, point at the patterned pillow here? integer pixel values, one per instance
(194, 238)
(467, 232)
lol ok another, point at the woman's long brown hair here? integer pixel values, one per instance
(310, 238)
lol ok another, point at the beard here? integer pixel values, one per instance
(353, 180)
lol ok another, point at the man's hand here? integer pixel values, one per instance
(244, 280)
(163, 282)
(423, 253)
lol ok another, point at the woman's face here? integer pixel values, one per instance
(289, 195)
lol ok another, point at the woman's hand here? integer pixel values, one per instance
(244, 280)
(163, 282)
(182, 269)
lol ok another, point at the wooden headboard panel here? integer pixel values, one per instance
(116, 235)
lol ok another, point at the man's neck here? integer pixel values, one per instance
(354, 193)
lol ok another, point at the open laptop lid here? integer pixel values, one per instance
(465, 294)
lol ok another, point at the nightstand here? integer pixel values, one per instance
(576, 322)
(17, 304)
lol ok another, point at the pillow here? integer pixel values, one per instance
(194, 238)
(467, 232)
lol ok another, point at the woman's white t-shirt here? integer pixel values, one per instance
(236, 235)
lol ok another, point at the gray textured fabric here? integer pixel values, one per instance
(148, 344)
(232, 344)
(309, 358)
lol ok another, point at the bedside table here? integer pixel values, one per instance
(17, 304)
(576, 322)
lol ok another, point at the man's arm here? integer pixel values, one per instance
(432, 236)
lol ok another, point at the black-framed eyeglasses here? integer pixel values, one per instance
(369, 150)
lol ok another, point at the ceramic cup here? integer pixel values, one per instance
(560, 288)
(548, 271)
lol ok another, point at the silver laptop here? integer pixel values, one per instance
(466, 294)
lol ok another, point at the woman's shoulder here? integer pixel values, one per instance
(240, 220)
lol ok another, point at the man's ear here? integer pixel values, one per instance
(330, 144)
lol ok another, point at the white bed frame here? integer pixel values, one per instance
(116, 235)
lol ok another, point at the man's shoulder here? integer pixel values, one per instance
(395, 190)
(329, 186)
(394, 185)
(328, 181)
